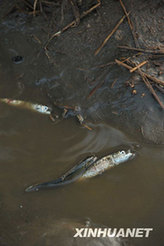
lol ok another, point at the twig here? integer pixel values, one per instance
(85, 13)
(158, 81)
(130, 24)
(75, 11)
(34, 7)
(95, 89)
(145, 74)
(127, 16)
(36, 39)
(109, 36)
(28, 4)
(113, 83)
(123, 64)
(161, 89)
(147, 83)
(138, 66)
(157, 52)
(87, 127)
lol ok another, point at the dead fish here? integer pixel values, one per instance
(90, 167)
(107, 162)
(43, 109)
(70, 176)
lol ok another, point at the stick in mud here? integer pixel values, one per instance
(110, 35)
(158, 81)
(114, 82)
(147, 83)
(154, 52)
(126, 13)
(34, 7)
(130, 24)
(73, 23)
(138, 66)
(95, 89)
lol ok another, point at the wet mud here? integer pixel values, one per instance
(34, 149)
(68, 70)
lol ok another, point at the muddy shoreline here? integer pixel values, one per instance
(69, 71)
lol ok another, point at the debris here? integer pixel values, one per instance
(134, 92)
(85, 13)
(138, 66)
(154, 52)
(151, 89)
(95, 89)
(145, 74)
(130, 23)
(113, 83)
(145, 77)
(34, 7)
(110, 35)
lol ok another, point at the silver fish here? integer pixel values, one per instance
(43, 109)
(107, 162)
(88, 168)
(70, 176)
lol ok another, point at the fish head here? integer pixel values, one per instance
(122, 156)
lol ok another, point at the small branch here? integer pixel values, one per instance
(147, 83)
(156, 52)
(110, 35)
(138, 66)
(95, 89)
(34, 7)
(113, 83)
(75, 11)
(144, 77)
(130, 24)
(73, 23)
(87, 127)
(28, 4)
(127, 16)
(145, 74)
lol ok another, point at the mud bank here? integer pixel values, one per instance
(71, 74)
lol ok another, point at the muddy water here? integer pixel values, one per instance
(33, 150)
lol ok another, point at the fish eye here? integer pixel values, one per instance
(123, 152)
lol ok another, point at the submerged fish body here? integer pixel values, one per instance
(69, 177)
(43, 109)
(88, 168)
(107, 162)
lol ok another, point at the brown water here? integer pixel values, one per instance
(33, 150)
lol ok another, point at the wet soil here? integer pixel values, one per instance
(69, 70)
(33, 149)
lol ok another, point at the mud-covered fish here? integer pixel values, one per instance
(88, 168)
(43, 109)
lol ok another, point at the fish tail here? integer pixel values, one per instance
(51, 184)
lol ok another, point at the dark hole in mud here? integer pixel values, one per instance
(17, 59)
